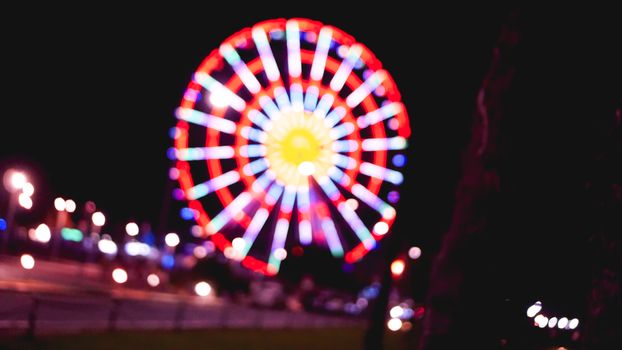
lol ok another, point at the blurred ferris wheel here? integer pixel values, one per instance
(290, 134)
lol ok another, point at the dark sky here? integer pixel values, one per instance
(88, 97)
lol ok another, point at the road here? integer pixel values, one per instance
(52, 298)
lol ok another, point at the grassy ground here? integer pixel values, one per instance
(324, 339)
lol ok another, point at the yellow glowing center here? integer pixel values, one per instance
(298, 145)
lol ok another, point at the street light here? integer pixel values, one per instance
(202, 289)
(119, 275)
(59, 204)
(27, 261)
(397, 267)
(70, 206)
(28, 189)
(98, 219)
(171, 240)
(14, 182)
(414, 253)
(24, 201)
(153, 280)
(43, 233)
(132, 229)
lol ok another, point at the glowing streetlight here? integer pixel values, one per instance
(43, 233)
(397, 267)
(70, 206)
(396, 311)
(414, 253)
(153, 280)
(574, 323)
(98, 219)
(119, 275)
(534, 309)
(27, 261)
(171, 239)
(202, 289)
(541, 321)
(107, 246)
(14, 180)
(131, 229)
(562, 323)
(28, 189)
(24, 201)
(59, 204)
(199, 252)
(394, 324)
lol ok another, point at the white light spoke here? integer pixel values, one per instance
(221, 95)
(332, 237)
(255, 167)
(339, 176)
(250, 81)
(228, 213)
(341, 146)
(335, 116)
(271, 109)
(311, 98)
(380, 114)
(214, 184)
(280, 95)
(252, 151)
(206, 120)
(343, 161)
(321, 52)
(342, 130)
(393, 143)
(259, 219)
(344, 70)
(265, 53)
(373, 170)
(292, 33)
(202, 153)
(297, 97)
(360, 191)
(324, 106)
(369, 85)
(253, 134)
(260, 119)
(357, 225)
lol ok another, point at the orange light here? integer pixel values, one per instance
(397, 267)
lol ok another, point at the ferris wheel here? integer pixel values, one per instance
(290, 134)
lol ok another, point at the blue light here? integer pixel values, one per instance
(2, 224)
(393, 197)
(399, 160)
(277, 34)
(149, 238)
(168, 261)
(178, 194)
(370, 292)
(348, 267)
(173, 132)
(187, 213)
(171, 154)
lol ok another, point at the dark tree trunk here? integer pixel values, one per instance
(603, 325)
(460, 281)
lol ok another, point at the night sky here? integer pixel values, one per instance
(88, 98)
